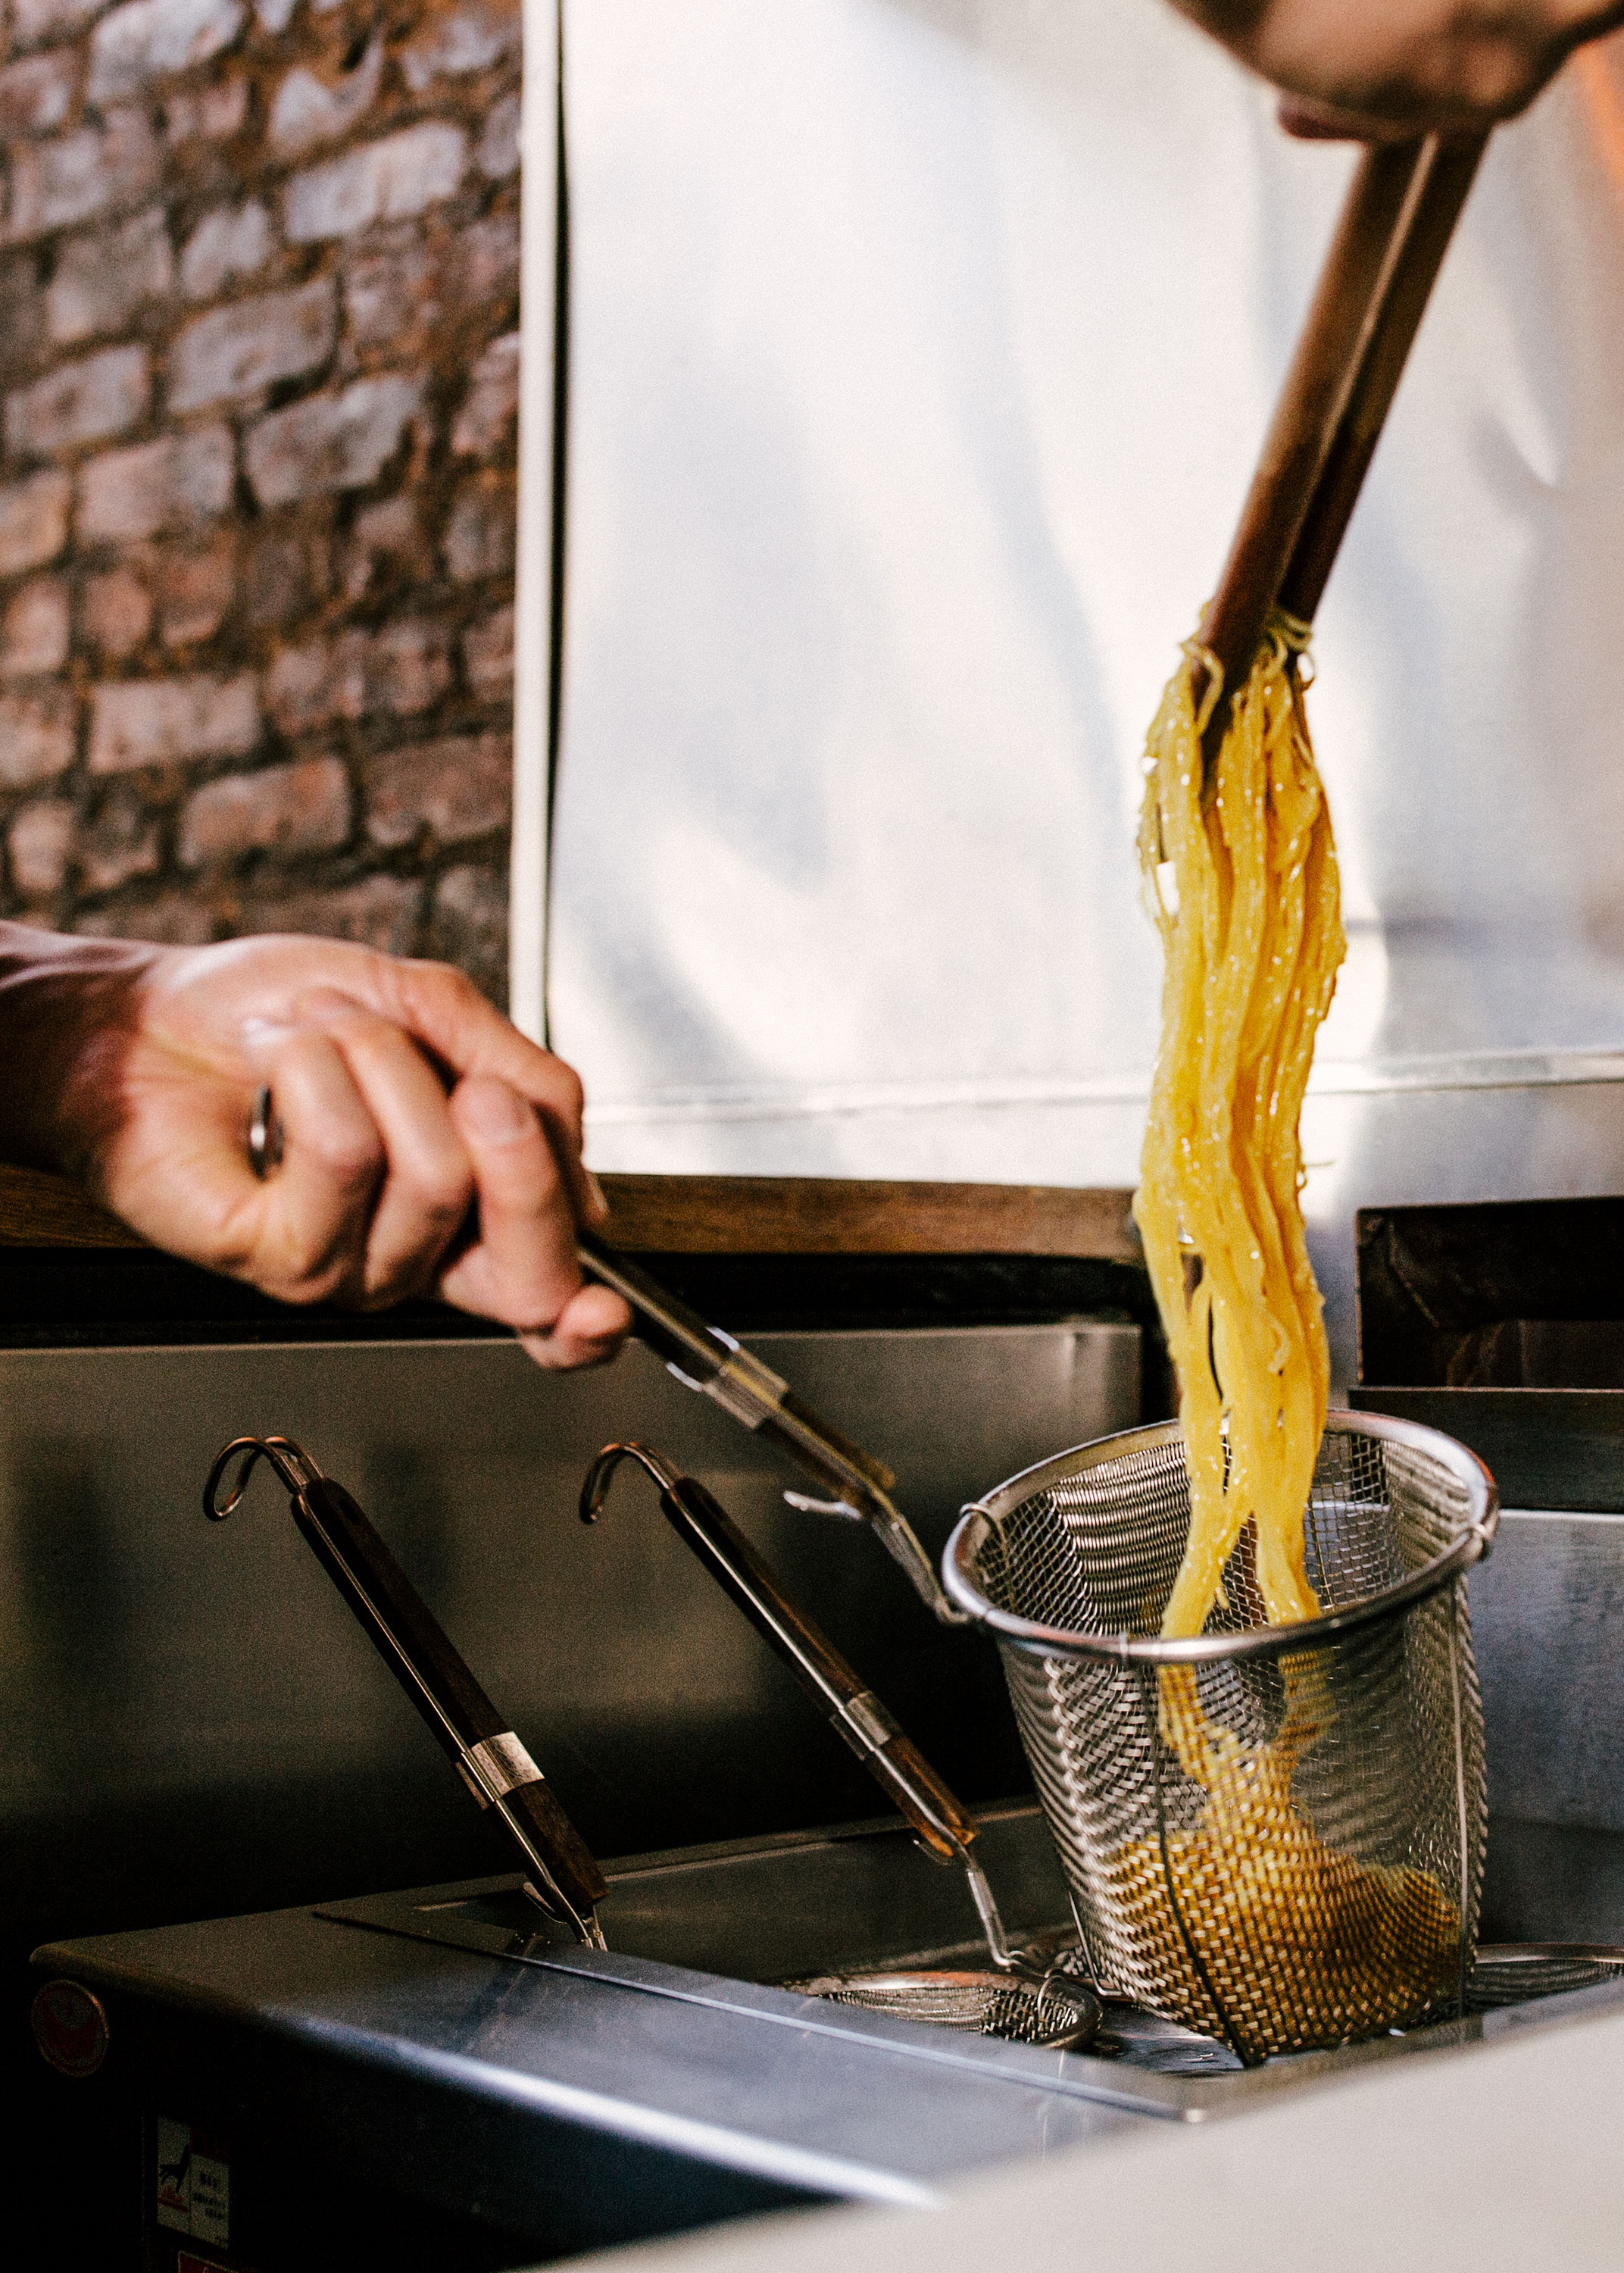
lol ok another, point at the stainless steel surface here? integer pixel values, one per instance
(1019, 1998)
(1550, 1448)
(190, 1723)
(737, 1926)
(1547, 1616)
(572, 2093)
(1286, 1849)
(434, 2043)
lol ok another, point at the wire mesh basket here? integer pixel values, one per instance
(1271, 1834)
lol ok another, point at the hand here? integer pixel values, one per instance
(1390, 70)
(428, 1146)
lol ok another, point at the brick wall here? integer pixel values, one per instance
(258, 309)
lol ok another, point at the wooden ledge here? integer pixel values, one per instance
(37, 1210)
(727, 1215)
(852, 1215)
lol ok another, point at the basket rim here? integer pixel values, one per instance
(1476, 1539)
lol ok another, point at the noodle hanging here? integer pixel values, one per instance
(1243, 884)
(1245, 891)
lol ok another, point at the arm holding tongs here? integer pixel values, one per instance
(489, 1756)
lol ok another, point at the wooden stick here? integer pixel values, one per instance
(1389, 244)
(1312, 399)
(1448, 170)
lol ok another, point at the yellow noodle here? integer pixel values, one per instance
(1300, 1944)
(1245, 889)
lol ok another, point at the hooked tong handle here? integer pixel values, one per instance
(481, 1745)
(937, 1819)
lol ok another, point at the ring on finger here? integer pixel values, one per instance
(265, 1137)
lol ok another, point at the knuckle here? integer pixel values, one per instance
(439, 1192)
(350, 1157)
(302, 1281)
(454, 985)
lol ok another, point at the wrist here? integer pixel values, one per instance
(70, 1009)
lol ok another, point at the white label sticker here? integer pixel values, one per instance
(174, 2175)
(194, 2188)
(211, 2201)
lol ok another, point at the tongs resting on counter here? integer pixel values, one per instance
(562, 1877)
(1033, 1992)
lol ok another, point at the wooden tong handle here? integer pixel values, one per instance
(1367, 307)
(1447, 172)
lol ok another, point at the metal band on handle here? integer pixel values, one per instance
(703, 1357)
(867, 1716)
(746, 1390)
(503, 1764)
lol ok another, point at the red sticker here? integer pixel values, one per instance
(185, 2261)
(70, 2028)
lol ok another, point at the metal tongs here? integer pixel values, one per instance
(704, 1358)
(1065, 2010)
(562, 1878)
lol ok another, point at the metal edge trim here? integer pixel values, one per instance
(1037, 1640)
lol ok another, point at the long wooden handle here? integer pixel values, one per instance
(1311, 401)
(840, 1693)
(1373, 291)
(462, 1719)
(1445, 179)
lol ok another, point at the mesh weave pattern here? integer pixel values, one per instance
(983, 2004)
(1317, 1879)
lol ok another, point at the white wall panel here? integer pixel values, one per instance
(921, 353)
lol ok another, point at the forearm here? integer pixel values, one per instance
(69, 1009)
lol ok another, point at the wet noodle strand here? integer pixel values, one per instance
(1244, 888)
(1297, 1942)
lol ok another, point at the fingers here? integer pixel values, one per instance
(523, 1267)
(447, 1012)
(200, 1002)
(1395, 69)
(179, 1170)
(428, 1183)
(587, 1330)
(390, 1185)
(314, 1215)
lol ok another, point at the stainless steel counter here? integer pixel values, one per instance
(444, 2048)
